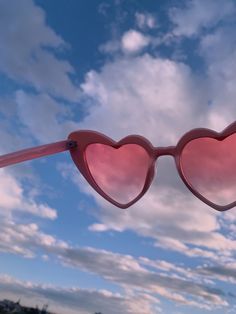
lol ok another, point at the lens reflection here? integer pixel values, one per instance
(209, 166)
(119, 172)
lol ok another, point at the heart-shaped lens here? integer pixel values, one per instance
(119, 172)
(209, 166)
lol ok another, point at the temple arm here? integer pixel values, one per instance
(35, 152)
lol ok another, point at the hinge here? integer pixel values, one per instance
(71, 144)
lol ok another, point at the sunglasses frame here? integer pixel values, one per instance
(78, 141)
(84, 138)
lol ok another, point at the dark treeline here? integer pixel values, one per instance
(10, 307)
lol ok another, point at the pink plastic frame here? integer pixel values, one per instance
(79, 140)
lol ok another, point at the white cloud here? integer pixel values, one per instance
(199, 14)
(161, 107)
(24, 37)
(133, 41)
(217, 48)
(13, 199)
(110, 47)
(47, 120)
(26, 239)
(218, 51)
(194, 224)
(145, 20)
(11, 140)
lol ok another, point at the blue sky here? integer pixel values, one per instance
(154, 68)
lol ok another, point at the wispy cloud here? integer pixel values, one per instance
(145, 20)
(140, 275)
(13, 199)
(27, 45)
(197, 15)
(129, 272)
(72, 300)
(48, 120)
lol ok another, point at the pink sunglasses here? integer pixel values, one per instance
(122, 171)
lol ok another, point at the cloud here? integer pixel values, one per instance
(13, 199)
(145, 20)
(26, 239)
(72, 300)
(11, 140)
(130, 273)
(110, 47)
(199, 14)
(214, 23)
(218, 51)
(226, 272)
(48, 120)
(195, 225)
(137, 275)
(133, 41)
(161, 107)
(26, 42)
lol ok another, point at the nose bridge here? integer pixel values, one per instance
(162, 151)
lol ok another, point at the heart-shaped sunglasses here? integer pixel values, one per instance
(122, 171)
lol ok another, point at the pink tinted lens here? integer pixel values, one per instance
(209, 166)
(119, 172)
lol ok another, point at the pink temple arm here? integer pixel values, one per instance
(35, 152)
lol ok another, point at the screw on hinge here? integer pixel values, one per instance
(71, 144)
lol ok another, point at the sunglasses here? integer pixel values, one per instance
(122, 172)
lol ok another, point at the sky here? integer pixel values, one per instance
(154, 68)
